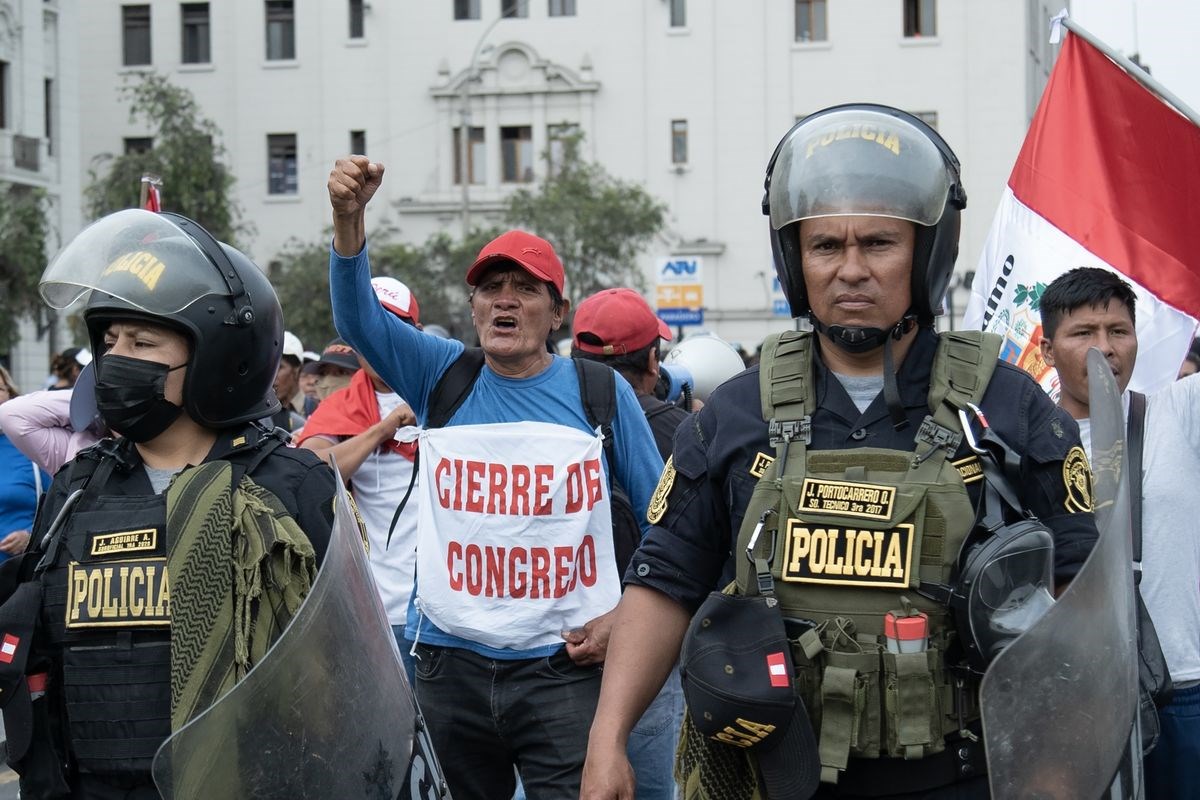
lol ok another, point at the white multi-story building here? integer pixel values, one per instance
(39, 143)
(686, 97)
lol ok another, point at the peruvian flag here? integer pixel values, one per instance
(777, 669)
(151, 194)
(8, 648)
(1108, 176)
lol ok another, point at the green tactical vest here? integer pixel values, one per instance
(844, 536)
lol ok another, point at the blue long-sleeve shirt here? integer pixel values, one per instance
(18, 490)
(411, 362)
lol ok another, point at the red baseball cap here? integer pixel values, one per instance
(621, 319)
(532, 253)
(396, 298)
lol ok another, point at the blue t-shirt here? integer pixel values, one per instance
(411, 362)
(18, 490)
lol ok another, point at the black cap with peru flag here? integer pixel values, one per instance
(737, 679)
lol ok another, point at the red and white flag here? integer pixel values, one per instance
(1108, 176)
(151, 194)
(8, 648)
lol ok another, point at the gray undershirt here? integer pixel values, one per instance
(862, 390)
(159, 478)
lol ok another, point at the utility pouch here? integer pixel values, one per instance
(40, 765)
(913, 703)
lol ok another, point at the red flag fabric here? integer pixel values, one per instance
(1108, 176)
(153, 198)
(349, 412)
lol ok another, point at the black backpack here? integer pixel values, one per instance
(597, 388)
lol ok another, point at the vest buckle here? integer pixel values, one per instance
(790, 430)
(938, 436)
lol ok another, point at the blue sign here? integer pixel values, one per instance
(679, 267)
(681, 316)
(781, 308)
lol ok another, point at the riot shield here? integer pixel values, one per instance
(326, 713)
(1060, 703)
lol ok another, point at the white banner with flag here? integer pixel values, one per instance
(514, 533)
(1108, 176)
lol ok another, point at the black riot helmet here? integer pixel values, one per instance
(166, 269)
(873, 160)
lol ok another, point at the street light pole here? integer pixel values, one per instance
(464, 130)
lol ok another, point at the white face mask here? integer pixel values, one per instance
(328, 384)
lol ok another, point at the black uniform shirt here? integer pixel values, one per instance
(718, 450)
(302, 482)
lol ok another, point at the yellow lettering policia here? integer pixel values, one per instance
(118, 593)
(885, 138)
(142, 265)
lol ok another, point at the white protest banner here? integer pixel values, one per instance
(514, 534)
(1107, 178)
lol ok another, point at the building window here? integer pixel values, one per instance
(196, 42)
(557, 136)
(48, 100)
(810, 21)
(135, 35)
(358, 143)
(516, 153)
(138, 144)
(678, 13)
(4, 94)
(679, 141)
(920, 18)
(281, 30)
(281, 163)
(928, 117)
(476, 155)
(514, 8)
(562, 8)
(356, 19)
(466, 9)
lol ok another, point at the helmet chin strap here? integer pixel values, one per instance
(854, 339)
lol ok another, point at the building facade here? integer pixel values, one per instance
(39, 144)
(686, 97)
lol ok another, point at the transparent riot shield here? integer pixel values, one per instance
(1060, 703)
(327, 713)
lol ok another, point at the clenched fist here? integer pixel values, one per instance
(353, 181)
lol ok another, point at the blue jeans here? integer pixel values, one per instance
(486, 716)
(1173, 766)
(652, 743)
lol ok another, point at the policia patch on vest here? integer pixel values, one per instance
(865, 500)
(1077, 480)
(658, 501)
(118, 594)
(102, 545)
(848, 556)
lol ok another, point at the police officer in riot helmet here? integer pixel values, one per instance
(168, 559)
(838, 477)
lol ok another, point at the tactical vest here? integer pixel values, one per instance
(106, 604)
(845, 536)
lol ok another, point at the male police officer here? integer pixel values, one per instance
(863, 492)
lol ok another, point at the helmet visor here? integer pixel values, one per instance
(136, 256)
(858, 162)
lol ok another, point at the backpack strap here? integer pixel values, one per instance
(453, 386)
(962, 368)
(1136, 436)
(785, 382)
(598, 391)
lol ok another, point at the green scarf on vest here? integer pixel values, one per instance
(240, 566)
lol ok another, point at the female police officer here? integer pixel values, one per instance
(169, 558)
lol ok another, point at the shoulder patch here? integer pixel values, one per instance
(658, 502)
(1077, 481)
(761, 462)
